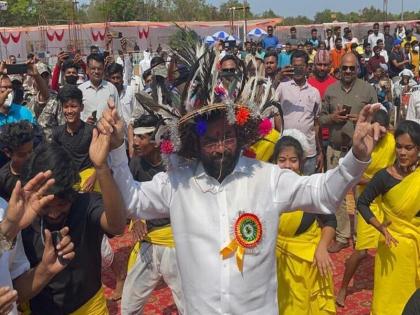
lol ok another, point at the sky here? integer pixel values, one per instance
(310, 7)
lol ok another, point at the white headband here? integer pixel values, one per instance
(143, 130)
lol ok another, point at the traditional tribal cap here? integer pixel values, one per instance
(322, 56)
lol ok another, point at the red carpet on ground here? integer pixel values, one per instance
(357, 303)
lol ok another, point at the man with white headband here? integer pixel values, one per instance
(153, 256)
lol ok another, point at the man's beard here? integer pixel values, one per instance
(219, 165)
(321, 74)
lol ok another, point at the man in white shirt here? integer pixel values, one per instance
(301, 106)
(96, 91)
(373, 38)
(15, 271)
(383, 52)
(413, 110)
(221, 202)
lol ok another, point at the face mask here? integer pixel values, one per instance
(71, 79)
(9, 99)
(416, 48)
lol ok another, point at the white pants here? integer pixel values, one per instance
(143, 278)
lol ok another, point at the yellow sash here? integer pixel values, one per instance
(84, 176)
(160, 236)
(95, 306)
(264, 148)
(397, 269)
(302, 245)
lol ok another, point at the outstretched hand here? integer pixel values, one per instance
(366, 134)
(111, 124)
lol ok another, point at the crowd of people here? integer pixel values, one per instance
(229, 166)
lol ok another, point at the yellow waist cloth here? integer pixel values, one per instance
(301, 289)
(397, 269)
(160, 236)
(84, 176)
(264, 148)
(95, 306)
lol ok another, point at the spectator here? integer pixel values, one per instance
(413, 110)
(292, 38)
(270, 66)
(301, 105)
(284, 56)
(417, 31)
(373, 38)
(415, 60)
(17, 142)
(322, 79)
(409, 37)
(11, 112)
(389, 39)
(310, 51)
(270, 41)
(382, 51)
(336, 54)
(314, 39)
(367, 52)
(343, 102)
(365, 39)
(375, 61)
(397, 61)
(97, 92)
(329, 39)
(12, 59)
(348, 39)
(260, 52)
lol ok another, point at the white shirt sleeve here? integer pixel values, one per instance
(18, 262)
(412, 106)
(147, 200)
(319, 193)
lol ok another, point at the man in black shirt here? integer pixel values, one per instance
(397, 61)
(75, 135)
(88, 217)
(16, 141)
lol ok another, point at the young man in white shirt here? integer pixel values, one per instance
(373, 38)
(413, 110)
(220, 192)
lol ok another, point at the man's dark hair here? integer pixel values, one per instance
(366, 44)
(50, 156)
(93, 47)
(114, 68)
(337, 40)
(314, 30)
(30, 56)
(146, 120)
(300, 54)
(271, 54)
(270, 26)
(68, 64)
(381, 117)
(411, 128)
(147, 73)
(376, 24)
(157, 60)
(97, 57)
(229, 57)
(70, 92)
(293, 28)
(379, 41)
(13, 136)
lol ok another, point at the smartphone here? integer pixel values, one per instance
(298, 71)
(347, 109)
(56, 238)
(94, 113)
(19, 68)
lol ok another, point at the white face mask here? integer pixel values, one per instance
(9, 99)
(416, 48)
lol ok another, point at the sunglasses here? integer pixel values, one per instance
(351, 68)
(229, 70)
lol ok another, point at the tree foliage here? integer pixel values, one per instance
(33, 12)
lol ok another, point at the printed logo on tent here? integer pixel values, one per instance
(97, 35)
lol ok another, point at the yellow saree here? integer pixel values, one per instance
(382, 156)
(397, 269)
(301, 289)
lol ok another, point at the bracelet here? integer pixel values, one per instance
(6, 244)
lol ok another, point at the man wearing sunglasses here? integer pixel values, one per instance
(342, 104)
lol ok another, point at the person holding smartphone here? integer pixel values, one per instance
(301, 105)
(342, 104)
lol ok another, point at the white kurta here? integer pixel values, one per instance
(203, 211)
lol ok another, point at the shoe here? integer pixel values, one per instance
(337, 246)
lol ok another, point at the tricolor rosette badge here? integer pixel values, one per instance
(248, 233)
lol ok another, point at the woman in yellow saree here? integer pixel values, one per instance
(304, 267)
(397, 262)
(366, 235)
